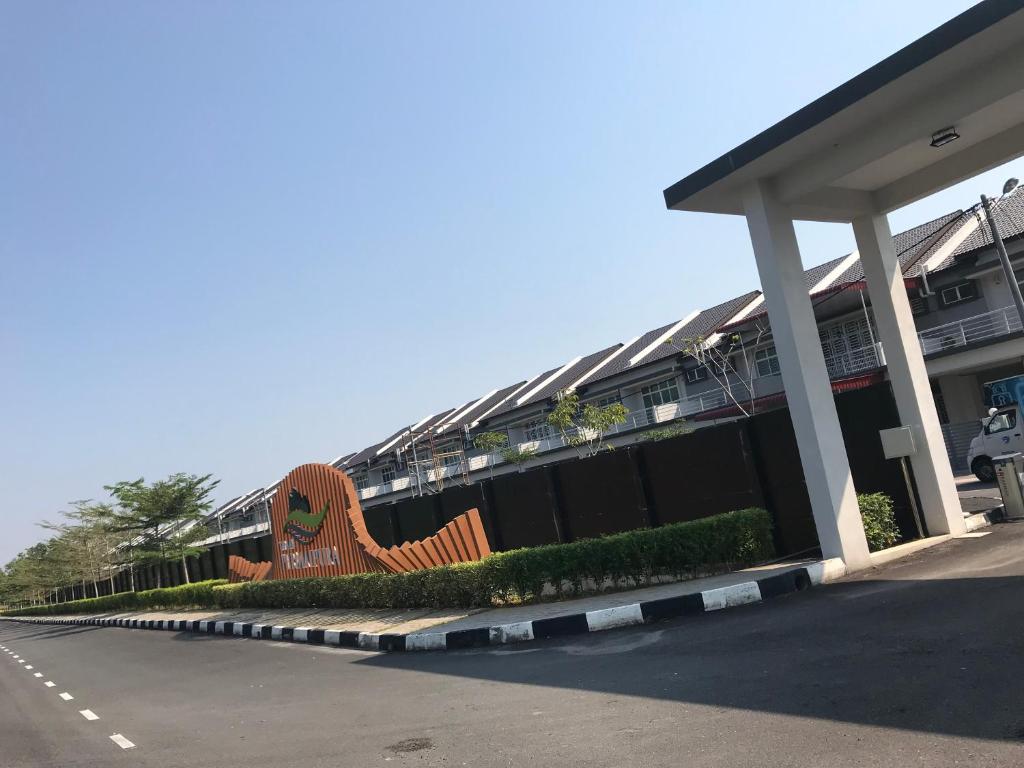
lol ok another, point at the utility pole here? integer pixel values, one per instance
(1004, 260)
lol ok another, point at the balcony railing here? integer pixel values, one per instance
(852, 361)
(989, 325)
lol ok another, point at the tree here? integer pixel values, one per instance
(86, 544)
(490, 443)
(716, 355)
(518, 456)
(497, 442)
(584, 428)
(34, 574)
(162, 521)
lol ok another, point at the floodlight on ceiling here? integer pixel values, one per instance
(944, 136)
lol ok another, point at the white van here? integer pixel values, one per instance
(1000, 433)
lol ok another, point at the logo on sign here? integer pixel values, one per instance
(301, 523)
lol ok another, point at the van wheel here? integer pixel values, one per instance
(983, 469)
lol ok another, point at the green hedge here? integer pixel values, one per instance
(711, 544)
(879, 520)
(185, 596)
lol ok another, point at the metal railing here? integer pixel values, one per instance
(998, 322)
(236, 533)
(852, 361)
(715, 398)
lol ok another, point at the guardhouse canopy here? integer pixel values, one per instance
(947, 107)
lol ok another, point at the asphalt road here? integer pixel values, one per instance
(919, 663)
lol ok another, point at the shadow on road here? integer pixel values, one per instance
(939, 656)
(50, 631)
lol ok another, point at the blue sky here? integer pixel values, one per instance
(237, 237)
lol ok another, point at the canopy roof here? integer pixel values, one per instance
(866, 145)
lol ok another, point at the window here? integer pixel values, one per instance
(538, 429)
(960, 292)
(606, 401)
(766, 361)
(361, 482)
(696, 374)
(387, 474)
(663, 392)
(1001, 422)
(451, 460)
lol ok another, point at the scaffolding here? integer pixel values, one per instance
(432, 464)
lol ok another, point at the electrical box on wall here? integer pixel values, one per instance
(897, 442)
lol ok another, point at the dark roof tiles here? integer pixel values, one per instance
(480, 407)
(569, 375)
(510, 404)
(1009, 216)
(911, 246)
(621, 361)
(815, 275)
(703, 325)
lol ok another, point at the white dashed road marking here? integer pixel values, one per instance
(121, 741)
(88, 714)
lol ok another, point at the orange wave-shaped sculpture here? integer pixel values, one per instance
(319, 530)
(240, 569)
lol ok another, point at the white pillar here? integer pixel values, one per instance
(907, 374)
(808, 392)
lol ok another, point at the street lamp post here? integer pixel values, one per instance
(1004, 260)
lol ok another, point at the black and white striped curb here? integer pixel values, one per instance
(646, 612)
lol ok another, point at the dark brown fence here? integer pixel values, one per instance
(752, 462)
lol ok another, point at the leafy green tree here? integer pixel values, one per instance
(35, 574)
(518, 456)
(497, 442)
(86, 545)
(161, 521)
(490, 442)
(584, 427)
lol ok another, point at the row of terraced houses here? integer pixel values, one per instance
(969, 331)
